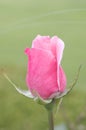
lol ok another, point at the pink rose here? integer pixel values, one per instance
(45, 76)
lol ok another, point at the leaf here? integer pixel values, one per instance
(42, 101)
(60, 95)
(58, 104)
(26, 93)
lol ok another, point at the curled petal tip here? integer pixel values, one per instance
(26, 51)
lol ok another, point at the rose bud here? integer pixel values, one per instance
(45, 76)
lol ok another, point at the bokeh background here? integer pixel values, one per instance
(20, 22)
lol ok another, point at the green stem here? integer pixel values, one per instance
(50, 108)
(50, 119)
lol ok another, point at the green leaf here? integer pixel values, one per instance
(60, 95)
(26, 93)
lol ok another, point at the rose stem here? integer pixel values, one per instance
(50, 119)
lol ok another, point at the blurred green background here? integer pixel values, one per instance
(20, 22)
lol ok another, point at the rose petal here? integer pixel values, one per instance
(53, 44)
(60, 48)
(42, 42)
(26, 51)
(62, 78)
(41, 78)
(57, 47)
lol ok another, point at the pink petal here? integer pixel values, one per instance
(62, 83)
(42, 42)
(59, 52)
(57, 47)
(27, 51)
(60, 48)
(42, 71)
(54, 44)
(62, 78)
